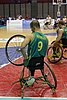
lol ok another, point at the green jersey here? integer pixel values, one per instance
(65, 33)
(38, 46)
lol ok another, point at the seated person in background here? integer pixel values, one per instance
(56, 22)
(48, 19)
(19, 17)
(27, 17)
(47, 22)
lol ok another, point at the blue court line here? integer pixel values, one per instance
(50, 34)
(31, 98)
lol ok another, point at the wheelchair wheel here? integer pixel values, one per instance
(12, 50)
(65, 53)
(50, 76)
(47, 76)
(54, 54)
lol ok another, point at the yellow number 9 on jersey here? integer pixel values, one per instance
(40, 45)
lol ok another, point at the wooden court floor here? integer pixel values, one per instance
(6, 34)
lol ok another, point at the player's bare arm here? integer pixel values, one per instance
(25, 43)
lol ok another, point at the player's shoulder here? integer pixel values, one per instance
(30, 36)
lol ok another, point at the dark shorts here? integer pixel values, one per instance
(36, 63)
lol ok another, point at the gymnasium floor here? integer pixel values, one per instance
(10, 73)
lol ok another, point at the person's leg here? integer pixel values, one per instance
(32, 72)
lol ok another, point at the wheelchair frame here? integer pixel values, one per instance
(48, 76)
(62, 52)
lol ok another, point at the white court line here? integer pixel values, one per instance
(3, 39)
(14, 40)
(1, 66)
(45, 98)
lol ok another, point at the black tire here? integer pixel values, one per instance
(11, 50)
(65, 53)
(50, 76)
(54, 58)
